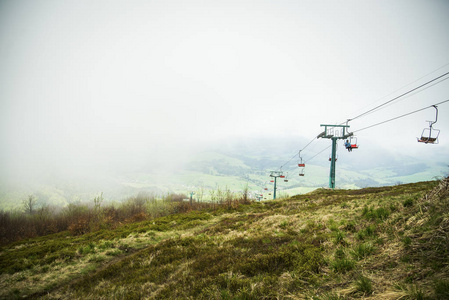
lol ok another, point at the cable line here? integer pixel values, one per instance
(308, 144)
(402, 95)
(296, 154)
(401, 116)
(397, 90)
(288, 161)
(318, 153)
(425, 88)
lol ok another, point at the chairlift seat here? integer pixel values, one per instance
(301, 174)
(429, 136)
(425, 139)
(354, 146)
(285, 180)
(301, 165)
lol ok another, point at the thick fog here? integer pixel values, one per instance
(95, 89)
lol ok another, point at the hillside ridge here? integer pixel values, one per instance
(377, 243)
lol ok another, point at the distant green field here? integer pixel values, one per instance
(210, 171)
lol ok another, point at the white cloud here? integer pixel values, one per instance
(116, 81)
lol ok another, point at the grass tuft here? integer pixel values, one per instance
(342, 265)
(441, 289)
(362, 250)
(363, 285)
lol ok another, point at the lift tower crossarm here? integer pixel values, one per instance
(275, 174)
(329, 133)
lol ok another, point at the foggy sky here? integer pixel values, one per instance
(110, 85)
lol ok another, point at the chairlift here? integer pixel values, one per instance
(330, 158)
(430, 135)
(351, 143)
(282, 176)
(301, 164)
(266, 189)
(271, 180)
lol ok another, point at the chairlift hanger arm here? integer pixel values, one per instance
(436, 115)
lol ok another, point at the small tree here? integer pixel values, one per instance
(200, 193)
(97, 202)
(29, 205)
(245, 193)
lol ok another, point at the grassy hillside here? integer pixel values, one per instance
(375, 243)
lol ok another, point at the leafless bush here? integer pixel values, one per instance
(82, 218)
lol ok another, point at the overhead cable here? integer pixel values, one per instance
(296, 154)
(402, 95)
(401, 116)
(397, 90)
(318, 154)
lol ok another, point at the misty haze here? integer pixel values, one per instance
(123, 98)
(145, 145)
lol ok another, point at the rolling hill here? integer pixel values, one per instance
(374, 243)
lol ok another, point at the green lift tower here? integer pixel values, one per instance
(334, 132)
(275, 174)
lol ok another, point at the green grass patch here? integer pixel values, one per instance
(376, 214)
(441, 289)
(367, 232)
(342, 265)
(363, 285)
(362, 250)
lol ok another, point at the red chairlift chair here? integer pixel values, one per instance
(301, 164)
(353, 142)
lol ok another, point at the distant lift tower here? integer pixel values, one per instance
(332, 132)
(275, 174)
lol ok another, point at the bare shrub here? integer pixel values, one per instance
(78, 218)
(82, 218)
